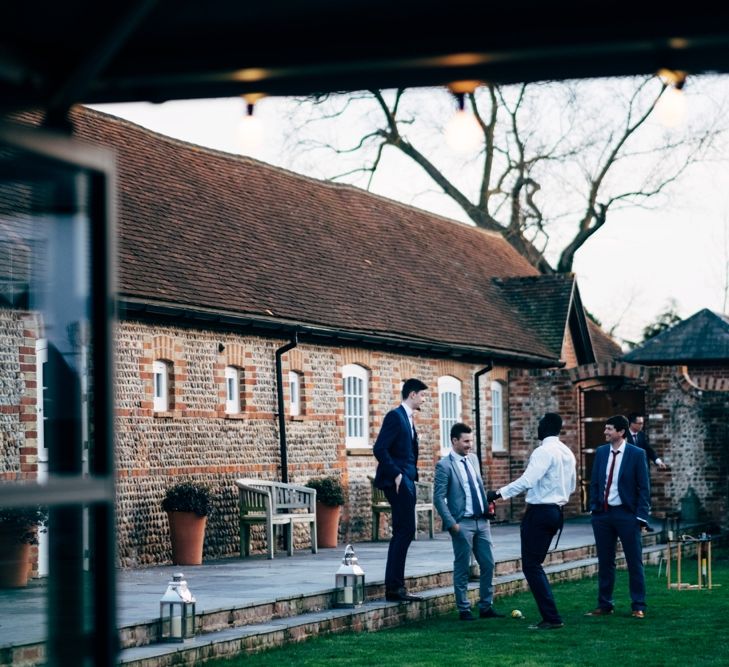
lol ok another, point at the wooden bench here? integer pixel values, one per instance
(423, 503)
(274, 504)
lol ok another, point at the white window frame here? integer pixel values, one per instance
(497, 417)
(294, 394)
(232, 390)
(160, 386)
(450, 408)
(356, 405)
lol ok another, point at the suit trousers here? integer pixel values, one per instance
(474, 534)
(403, 532)
(618, 522)
(538, 527)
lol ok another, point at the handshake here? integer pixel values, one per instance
(492, 495)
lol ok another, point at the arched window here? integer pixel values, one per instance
(161, 375)
(294, 393)
(356, 406)
(449, 401)
(232, 390)
(497, 417)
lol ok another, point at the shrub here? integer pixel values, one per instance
(329, 490)
(23, 521)
(188, 497)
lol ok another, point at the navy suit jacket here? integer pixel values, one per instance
(633, 484)
(394, 448)
(641, 441)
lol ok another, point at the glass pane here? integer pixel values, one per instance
(51, 261)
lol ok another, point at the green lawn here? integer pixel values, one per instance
(680, 628)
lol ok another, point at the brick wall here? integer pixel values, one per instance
(710, 377)
(687, 426)
(197, 440)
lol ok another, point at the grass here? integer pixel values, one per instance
(680, 628)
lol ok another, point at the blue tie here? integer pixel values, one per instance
(475, 498)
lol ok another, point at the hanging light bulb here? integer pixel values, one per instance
(463, 134)
(671, 107)
(250, 132)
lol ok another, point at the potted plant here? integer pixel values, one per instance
(19, 528)
(187, 505)
(329, 501)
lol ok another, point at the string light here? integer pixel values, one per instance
(463, 133)
(671, 107)
(250, 134)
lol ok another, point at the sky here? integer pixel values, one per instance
(642, 262)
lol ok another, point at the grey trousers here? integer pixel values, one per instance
(474, 535)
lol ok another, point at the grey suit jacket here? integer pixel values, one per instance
(449, 490)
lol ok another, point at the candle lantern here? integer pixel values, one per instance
(350, 581)
(177, 611)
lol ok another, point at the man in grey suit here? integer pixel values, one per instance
(460, 498)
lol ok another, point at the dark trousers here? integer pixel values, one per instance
(403, 532)
(618, 522)
(538, 527)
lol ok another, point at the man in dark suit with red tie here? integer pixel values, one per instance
(396, 451)
(619, 503)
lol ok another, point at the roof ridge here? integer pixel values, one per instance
(246, 159)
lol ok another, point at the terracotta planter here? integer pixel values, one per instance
(327, 524)
(14, 560)
(187, 533)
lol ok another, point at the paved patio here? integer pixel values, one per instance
(235, 583)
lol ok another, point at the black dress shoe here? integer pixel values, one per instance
(401, 596)
(546, 625)
(466, 616)
(490, 613)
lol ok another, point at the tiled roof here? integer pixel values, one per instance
(604, 347)
(702, 337)
(543, 302)
(207, 229)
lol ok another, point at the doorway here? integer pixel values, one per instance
(597, 405)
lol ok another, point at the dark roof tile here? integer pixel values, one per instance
(700, 338)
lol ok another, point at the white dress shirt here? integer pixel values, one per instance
(409, 413)
(550, 477)
(457, 458)
(613, 495)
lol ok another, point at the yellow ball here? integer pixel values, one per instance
(515, 613)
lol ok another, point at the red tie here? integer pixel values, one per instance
(610, 479)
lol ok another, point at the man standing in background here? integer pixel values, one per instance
(636, 436)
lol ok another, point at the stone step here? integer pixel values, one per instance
(376, 614)
(222, 619)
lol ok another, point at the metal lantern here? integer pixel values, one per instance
(350, 581)
(177, 611)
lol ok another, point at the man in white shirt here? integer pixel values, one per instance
(549, 480)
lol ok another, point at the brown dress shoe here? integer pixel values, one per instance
(600, 612)
(638, 613)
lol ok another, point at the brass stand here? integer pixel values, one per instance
(703, 560)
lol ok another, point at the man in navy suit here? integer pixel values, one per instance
(396, 451)
(636, 436)
(619, 503)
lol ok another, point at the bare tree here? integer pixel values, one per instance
(556, 159)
